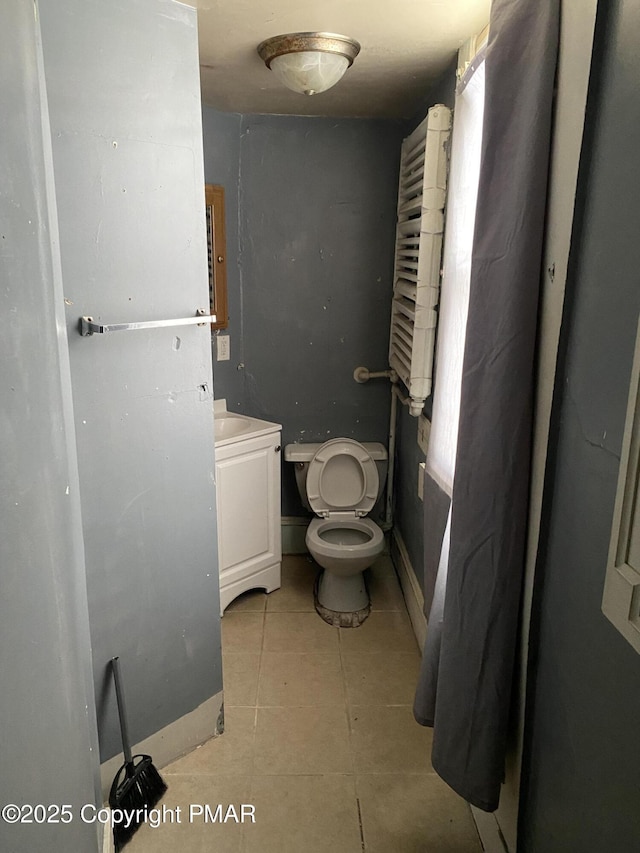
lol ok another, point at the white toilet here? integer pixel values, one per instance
(340, 481)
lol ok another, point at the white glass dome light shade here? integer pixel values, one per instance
(309, 63)
(309, 72)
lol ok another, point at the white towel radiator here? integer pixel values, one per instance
(421, 200)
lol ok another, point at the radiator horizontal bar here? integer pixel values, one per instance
(405, 275)
(409, 228)
(413, 205)
(409, 166)
(402, 348)
(414, 188)
(412, 150)
(402, 341)
(403, 323)
(407, 261)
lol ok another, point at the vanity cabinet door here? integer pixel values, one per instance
(248, 499)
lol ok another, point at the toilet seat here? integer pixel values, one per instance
(342, 479)
(331, 543)
(320, 546)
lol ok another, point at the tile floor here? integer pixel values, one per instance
(319, 736)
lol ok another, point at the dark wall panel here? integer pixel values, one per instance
(581, 785)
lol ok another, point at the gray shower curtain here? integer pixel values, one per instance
(467, 670)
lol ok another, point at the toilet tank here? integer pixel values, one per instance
(302, 454)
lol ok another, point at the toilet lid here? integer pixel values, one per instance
(342, 477)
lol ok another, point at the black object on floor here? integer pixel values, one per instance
(137, 786)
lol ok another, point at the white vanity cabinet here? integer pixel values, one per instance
(248, 505)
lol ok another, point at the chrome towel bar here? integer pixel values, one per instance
(88, 327)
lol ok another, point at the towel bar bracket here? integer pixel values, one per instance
(88, 327)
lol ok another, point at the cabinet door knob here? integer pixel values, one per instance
(277, 448)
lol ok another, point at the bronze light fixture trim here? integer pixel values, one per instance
(309, 78)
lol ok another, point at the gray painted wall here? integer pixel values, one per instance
(129, 177)
(316, 234)
(295, 191)
(48, 737)
(409, 509)
(581, 784)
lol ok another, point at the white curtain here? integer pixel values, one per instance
(454, 299)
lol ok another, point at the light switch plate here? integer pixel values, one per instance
(421, 466)
(424, 431)
(223, 348)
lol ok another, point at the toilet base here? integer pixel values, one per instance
(341, 601)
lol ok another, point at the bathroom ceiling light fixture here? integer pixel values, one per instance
(309, 63)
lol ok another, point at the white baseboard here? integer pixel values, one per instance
(171, 742)
(107, 839)
(410, 587)
(489, 831)
(486, 824)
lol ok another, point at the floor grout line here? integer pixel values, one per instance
(351, 674)
(360, 823)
